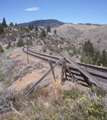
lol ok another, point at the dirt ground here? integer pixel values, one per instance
(34, 74)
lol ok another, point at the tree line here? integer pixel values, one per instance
(92, 56)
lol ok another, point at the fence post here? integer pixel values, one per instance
(50, 62)
(63, 69)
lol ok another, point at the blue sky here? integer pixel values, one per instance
(73, 11)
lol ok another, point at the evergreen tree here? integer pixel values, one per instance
(15, 24)
(11, 24)
(104, 58)
(36, 28)
(32, 27)
(29, 27)
(55, 32)
(1, 29)
(4, 23)
(88, 48)
(1, 49)
(48, 29)
(43, 33)
(97, 58)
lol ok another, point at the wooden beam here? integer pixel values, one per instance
(63, 69)
(90, 79)
(50, 62)
(70, 73)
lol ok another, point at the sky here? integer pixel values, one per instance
(68, 11)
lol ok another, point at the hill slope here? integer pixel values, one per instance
(44, 23)
(80, 33)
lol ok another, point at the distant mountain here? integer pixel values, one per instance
(43, 23)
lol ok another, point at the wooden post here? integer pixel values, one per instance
(63, 69)
(50, 62)
(27, 52)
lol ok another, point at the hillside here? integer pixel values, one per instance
(82, 32)
(44, 23)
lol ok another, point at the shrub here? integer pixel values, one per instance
(98, 91)
(74, 93)
(9, 45)
(1, 49)
(29, 42)
(20, 43)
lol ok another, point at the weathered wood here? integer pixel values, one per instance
(50, 62)
(90, 79)
(31, 89)
(71, 74)
(63, 69)
(86, 79)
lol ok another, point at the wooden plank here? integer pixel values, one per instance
(63, 69)
(50, 62)
(91, 79)
(70, 73)
(32, 88)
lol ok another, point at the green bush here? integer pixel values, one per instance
(20, 43)
(9, 45)
(1, 49)
(98, 91)
(29, 42)
(74, 93)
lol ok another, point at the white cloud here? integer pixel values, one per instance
(32, 9)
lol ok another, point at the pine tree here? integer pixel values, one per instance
(88, 48)
(55, 32)
(48, 29)
(36, 28)
(4, 23)
(43, 33)
(32, 27)
(15, 24)
(29, 27)
(97, 58)
(104, 58)
(1, 29)
(11, 24)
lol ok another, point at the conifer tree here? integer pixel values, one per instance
(55, 32)
(4, 23)
(48, 29)
(36, 28)
(32, 27)
(29, 27)
(1, 29)
(11, 24)
(104, 58)
(43, 33)
(15, 24)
